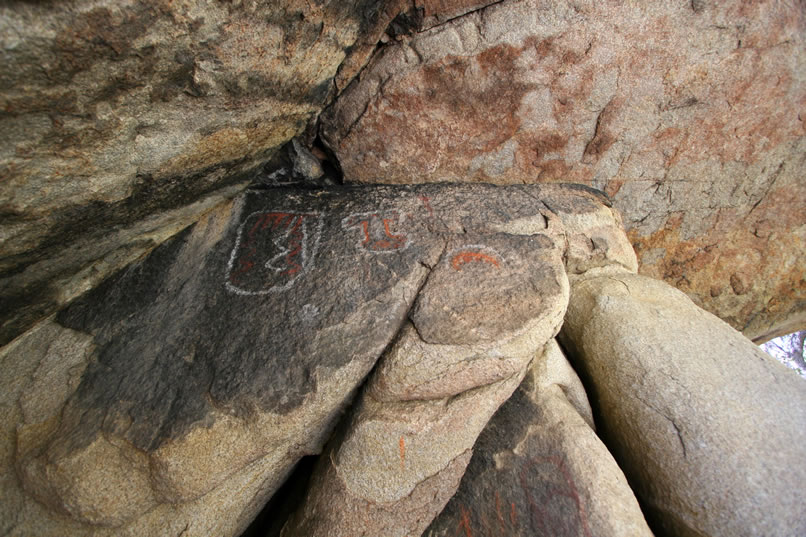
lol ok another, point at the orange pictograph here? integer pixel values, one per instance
(378, 232)
(463, 258)
(402, 446)
(474, 254)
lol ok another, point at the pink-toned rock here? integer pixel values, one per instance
(689, 115)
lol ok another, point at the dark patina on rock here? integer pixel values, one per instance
(123, 122)
(246, 327)
(539, 470)
(240, 341)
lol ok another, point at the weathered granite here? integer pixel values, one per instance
(186, 386)
(488, 306)
(708, 428)
(690, 115)
(122, 122)
(487, 309)
(538, 468)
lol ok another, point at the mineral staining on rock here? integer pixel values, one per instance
(690, 118)
(123, 122)
(216, 362)
(538, 468)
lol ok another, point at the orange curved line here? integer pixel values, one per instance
(466, 257)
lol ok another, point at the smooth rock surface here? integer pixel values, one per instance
(177, 396)
(708, 428)
(538, 468)
(690, 115)
(122, 122)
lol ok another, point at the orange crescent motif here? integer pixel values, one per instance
(466, 257)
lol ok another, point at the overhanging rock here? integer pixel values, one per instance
(685, 113)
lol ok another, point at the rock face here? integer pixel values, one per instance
(123, 122)
(176, 396)
(539, 469)
(489, 305)
(689, 114)
(709, 429)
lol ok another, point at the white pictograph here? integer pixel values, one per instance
(273, 249)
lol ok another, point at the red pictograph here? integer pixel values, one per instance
(548, 503)
(378, 232)
(271, 251)
(555, 505)
(427, 204)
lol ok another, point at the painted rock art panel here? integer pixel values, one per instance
(546, 504)
(272, 251)
(481, 281)
(436, 387)
(552, 498)
(230, 351)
